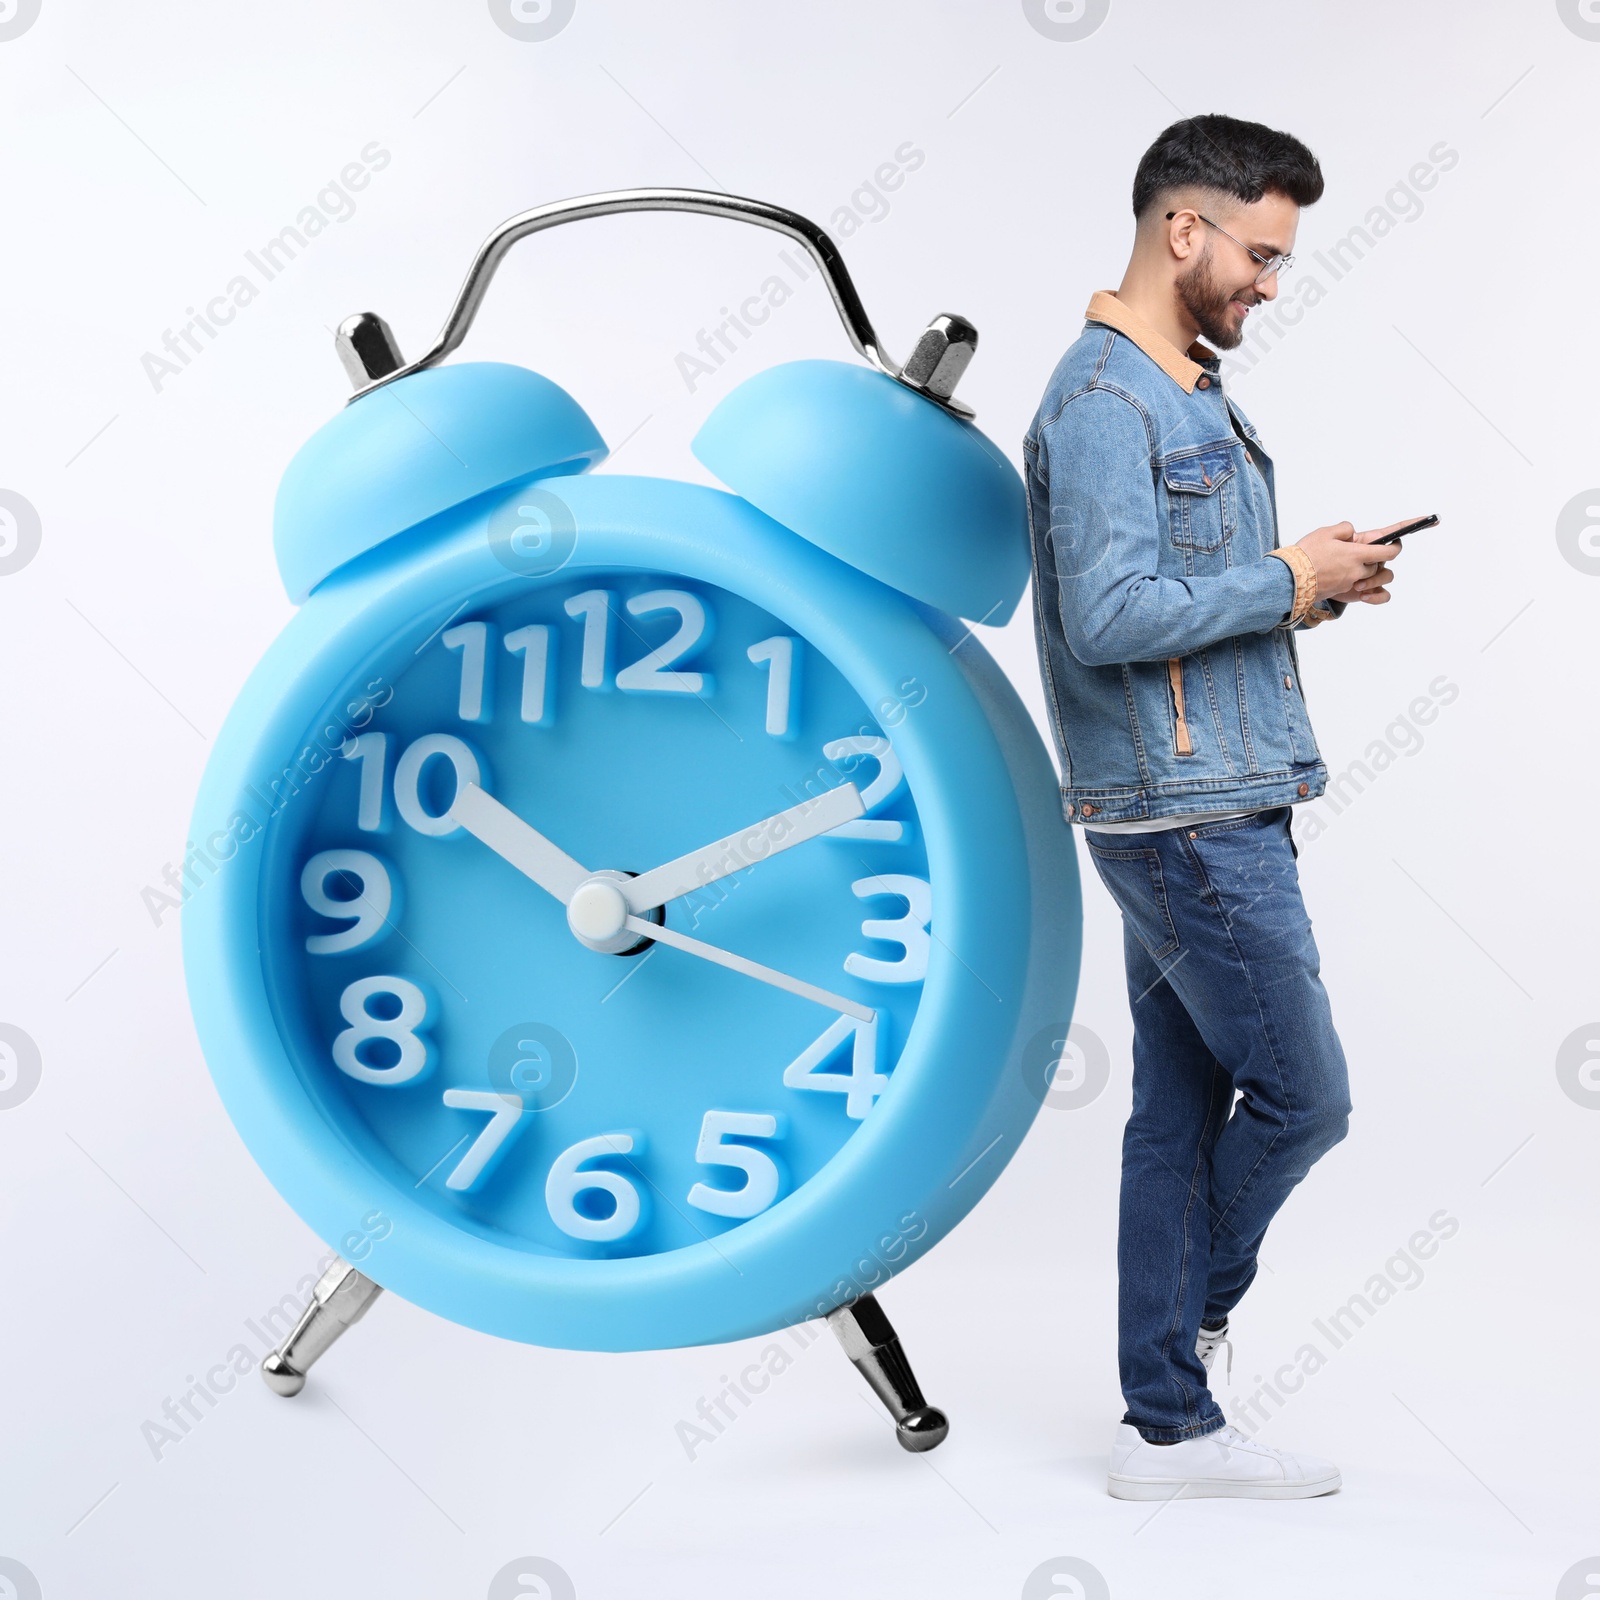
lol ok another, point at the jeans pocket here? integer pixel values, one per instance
(1244, 863)
(1133, 879)
(1268, 817)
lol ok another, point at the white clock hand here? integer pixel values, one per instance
(751, 969)
(524, 847)
(600, 913)
(743, 849)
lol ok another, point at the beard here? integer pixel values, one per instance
(1208, 304)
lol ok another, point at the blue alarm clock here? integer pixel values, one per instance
(642, 914)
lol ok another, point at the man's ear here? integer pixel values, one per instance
(1181, 231)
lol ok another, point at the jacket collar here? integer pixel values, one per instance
(1104, 306)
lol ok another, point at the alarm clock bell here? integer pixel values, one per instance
(877, 465)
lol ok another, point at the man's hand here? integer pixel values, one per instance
(1347, 569)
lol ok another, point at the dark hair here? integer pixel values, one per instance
(1243, 159)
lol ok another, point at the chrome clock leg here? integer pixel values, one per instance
(874, 1348)
(339, 1300)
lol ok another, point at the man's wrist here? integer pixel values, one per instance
(1323, 611)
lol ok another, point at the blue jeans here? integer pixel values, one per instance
(1224, 987)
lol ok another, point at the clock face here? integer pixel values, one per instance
(461, 867)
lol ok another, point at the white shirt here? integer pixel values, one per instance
(1190, 819)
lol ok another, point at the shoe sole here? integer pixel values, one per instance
(1122, 1488)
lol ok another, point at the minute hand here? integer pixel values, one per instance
(743, 849)
(751, 969)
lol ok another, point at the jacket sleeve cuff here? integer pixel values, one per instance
(1305, 582)
(1272, 588)
(1323, 611)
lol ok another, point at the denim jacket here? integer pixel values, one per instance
(1169, 666)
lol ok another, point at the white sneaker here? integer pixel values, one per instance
(1206, 1346)
(1221, 1464)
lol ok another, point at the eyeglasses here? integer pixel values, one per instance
(1269, 264)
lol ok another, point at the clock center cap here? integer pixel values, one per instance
(598, 914)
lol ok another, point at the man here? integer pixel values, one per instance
(1166, 615)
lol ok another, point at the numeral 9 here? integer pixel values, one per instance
(369, 906)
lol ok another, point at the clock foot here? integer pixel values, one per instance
(874, 1349)
(339, 1300)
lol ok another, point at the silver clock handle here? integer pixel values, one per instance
(942, 352)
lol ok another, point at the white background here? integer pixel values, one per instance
(1452, 369)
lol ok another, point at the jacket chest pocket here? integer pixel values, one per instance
(1202, 496)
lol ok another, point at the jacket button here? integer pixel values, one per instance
(1202, 383)
(1088, 810)
(1193, 834)
(1288, 682)
(1305, 788)
(1069, 811)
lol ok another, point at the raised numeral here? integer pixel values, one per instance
(408, 781)
(371, 750)
(505, 1111)
(369, 906)
(594, 606)
(472, 640)
(533, 645)
(567, 1183)
(404, 1056)
(862, 1085)
(778, 654)
(650, 673)
(762, 1178)
(910, 931)
(882, 788)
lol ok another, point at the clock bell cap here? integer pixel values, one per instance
(879, 476)
(406, 451)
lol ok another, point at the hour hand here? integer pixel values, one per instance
(511, 838)
(743, 849)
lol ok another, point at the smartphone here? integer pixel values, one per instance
(1410, 527)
